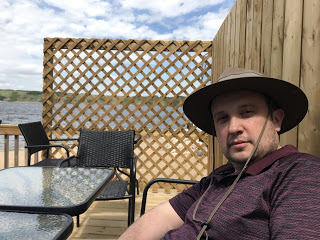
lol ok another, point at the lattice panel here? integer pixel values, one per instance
(173, 156)
(114, 84)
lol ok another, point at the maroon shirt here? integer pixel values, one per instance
(278, 197)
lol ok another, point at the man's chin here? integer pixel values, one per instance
(239, 158)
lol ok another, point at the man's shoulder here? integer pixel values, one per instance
(300, 160)
(300, 156)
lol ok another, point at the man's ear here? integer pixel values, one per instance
(277, 118)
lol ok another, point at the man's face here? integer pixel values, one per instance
(239, 118)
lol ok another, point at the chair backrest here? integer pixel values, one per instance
(34, 134)
(105, 148)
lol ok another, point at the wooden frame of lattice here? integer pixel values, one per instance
(116, 84)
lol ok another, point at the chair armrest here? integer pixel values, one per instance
(153, 181)
(137, 138)
(65, 160)
(64, 139)
(49, 146)
(132, 175)
(133, 168)
(134, 163)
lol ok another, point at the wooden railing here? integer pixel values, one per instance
(11, 155)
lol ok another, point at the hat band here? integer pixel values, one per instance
(241, 75)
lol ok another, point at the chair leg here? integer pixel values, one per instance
(137, 186)
(131, 211)
(133, 203)
(78, 221)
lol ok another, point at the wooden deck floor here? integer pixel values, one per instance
(108, 219)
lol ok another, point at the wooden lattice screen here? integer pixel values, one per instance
(116, 84)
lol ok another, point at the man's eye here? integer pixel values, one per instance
(247, 113)
(222, 118)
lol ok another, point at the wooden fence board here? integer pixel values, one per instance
(292, 55)
(249, 43)
(277, 38)
(309, 129)
(256, 35)
(237, 34)
(232, 24)
(266, 37)
(242, 37)
(227, 34)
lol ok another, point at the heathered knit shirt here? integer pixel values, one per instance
(278, 197)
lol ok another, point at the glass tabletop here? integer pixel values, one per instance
(25, 226)
(50, 187)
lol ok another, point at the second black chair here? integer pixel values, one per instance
(37, 140)
(164, 180)
(110, 149)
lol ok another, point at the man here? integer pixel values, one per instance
(265, 191)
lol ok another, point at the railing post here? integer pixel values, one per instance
(10, 158)
(6, 151)
(25, 156)
(16, 150)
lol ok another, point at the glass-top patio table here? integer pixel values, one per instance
(33, 226)
(51, 189)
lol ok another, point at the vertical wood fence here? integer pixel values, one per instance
(115, 84)
(281, 39)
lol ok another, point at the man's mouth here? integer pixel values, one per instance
(238, 143)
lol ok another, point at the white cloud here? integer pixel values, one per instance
(24, 24)
(204, 28)
(169, 8)
(82, 8)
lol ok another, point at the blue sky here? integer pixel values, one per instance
(24, 24)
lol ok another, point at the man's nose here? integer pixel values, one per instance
(235, 125)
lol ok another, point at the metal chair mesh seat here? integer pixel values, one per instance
(114, 189)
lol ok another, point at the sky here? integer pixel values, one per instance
(25, 23)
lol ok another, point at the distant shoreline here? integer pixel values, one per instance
(21, 101)
(7, 95)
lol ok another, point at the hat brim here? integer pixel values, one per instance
(286, 96)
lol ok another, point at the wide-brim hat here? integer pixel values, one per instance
(285, 95)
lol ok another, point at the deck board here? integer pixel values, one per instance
(108, 219)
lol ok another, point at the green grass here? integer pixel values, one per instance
(20, 96)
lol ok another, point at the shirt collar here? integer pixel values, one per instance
(266, 161)
(257, 167)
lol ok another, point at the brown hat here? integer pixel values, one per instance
(285, 95)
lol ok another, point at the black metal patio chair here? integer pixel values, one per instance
(165, 180)
(37, 140)
(110, 149)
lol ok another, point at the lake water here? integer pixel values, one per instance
(18, 112)
(21, 112)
